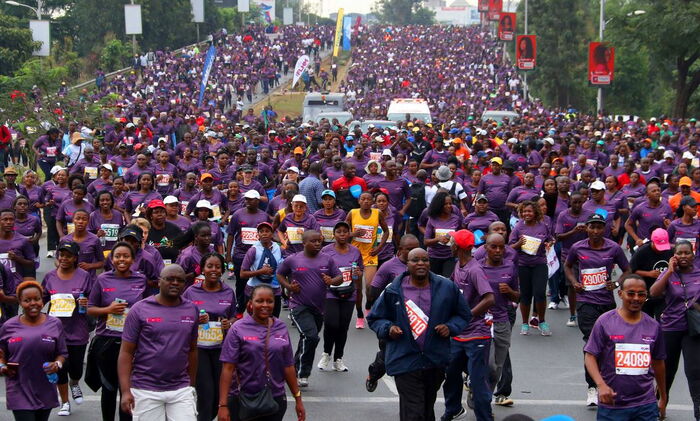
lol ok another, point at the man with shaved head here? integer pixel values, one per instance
(156, 376)
(307, 275)
(416, 315)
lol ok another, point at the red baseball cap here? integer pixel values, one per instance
(463, 238)
(157, 203)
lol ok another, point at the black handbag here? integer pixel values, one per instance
(261, 404)
(343, 292)
(692, 313)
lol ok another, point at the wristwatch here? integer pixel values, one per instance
(298, 394)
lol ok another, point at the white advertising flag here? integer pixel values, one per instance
(301, 66)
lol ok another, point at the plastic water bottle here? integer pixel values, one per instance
(202, 312)
(53, 377)
(81, 308)
(354, 266)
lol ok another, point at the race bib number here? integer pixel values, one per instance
(213, 336)
(531, 245)
(70, 228)
(594, 278)
(632, 359)
(346, 271)
(199, 279)
(630, 202)
(327, 233)
(62, 305)
(249, 235)
(294, 234)
(183, 207)
(111, 231)
(367, 235)
(439, 232)
(375, 156)
(129, 140)
(7, 262)
(51, 151)
(592, 162)
(417, 319)
(90, 172)
(163, 180)
(115, 322)
(216, 210)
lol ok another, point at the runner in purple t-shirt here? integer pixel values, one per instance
(158, 355)
(624, 355)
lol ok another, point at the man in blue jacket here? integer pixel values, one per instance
(416, 315)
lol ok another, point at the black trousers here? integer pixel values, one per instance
(107, 363)
(443, 267)
(32, 415)
(51, 231)
(377, 369)
(678, 342)
(207, 385)
(233, 404)
(586, 315)
(336, 321)
(309, 322)
(73, 367)
(417, 393)
(240, 285)
(504, 386)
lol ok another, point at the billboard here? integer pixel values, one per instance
(267, 9)
(244, 5)
(495, 9)
(526, 52)
(601, 63)
(506, 26)
(132, 19)
(41, 33)
(287, 16)
(197, 11)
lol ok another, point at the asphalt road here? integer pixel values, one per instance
(548, 380)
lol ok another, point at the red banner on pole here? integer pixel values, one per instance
(526, 52)
(506, 26)
(601, 63)
(495, 9)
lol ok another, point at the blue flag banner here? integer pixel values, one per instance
(208, 62)
(347, 32)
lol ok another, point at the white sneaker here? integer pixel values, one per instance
(564, 303)
(303, 382)
(571, 322)
(339, 366)
(65, 410)
(324, 362)
(592, 397)
(49, 255)
(552, 305)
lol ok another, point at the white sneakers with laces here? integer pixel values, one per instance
(325, 362)
(592, 397)
(65, 409)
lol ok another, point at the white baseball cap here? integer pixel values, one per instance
(170, 199)
(251, 194)
(597, 185)
(299, 198)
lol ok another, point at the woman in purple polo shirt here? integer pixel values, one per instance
(219, 302)
(139, 198)
(441, 222)
(56, 192)
(28, 225)
(531, 237)
(91, 257)
(294, 224)
(105, 221)
(259, 351)
(64, 215)
(113, 293)
(341, 299)
(66, 289)
(680, 284)
(33, 345)
(328, 215)
(482, 217)
(191, 256)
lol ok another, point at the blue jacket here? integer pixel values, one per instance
(403, 355)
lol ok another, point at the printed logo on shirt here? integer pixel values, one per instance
(186, 319)
(47, 338)
(648, 339)
(136, 287)
(617, 337)
(224, 302)
(280, 338)
(108, 289)
(76, 291)
(198, 302)
(251, 338)
(154, 319)
(52, 291)
(302, 269)
(15, 340)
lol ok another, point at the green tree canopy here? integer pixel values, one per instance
(16, 45)
(403, 12)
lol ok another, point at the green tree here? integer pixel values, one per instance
(16, 45)
(115, 55)
(403, 12)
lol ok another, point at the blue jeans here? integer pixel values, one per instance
(648, 412)
(473, 355)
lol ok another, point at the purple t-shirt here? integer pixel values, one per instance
(565, 223)
(438, 227)
(398, 191)
(244, 228)
(344, 263)
(244, 346)
(135, 199)
(673, 318)
(181, 222)
(327, 222)
(307, 272)
(474, 221)
(190, 258)
(677, 231)
(594, 268)
(107, 288)
(90, 250)
(28, 227)
(75, 326)
(31, 347)
(472, 282)
(417, 301)
(289, 224)
(624, 352)
(217, 304)
(163, 336)
(533, 251)
(20, 245)
(506, 273)
(388, 272)
(644, 217)
(68, 208)
(495, 187)
(510, 256)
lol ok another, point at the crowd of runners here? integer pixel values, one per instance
(174, 260)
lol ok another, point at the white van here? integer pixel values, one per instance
(415, 108)
(316, 103)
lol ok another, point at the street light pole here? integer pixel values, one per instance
(37, 9)
(525, 88)
(599, 106)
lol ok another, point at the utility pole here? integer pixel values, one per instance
(599, 106)
(525, 87)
